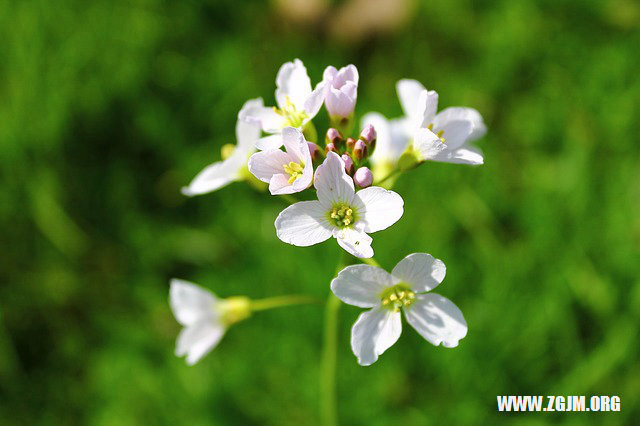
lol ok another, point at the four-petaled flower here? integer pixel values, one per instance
(341, 90)
(234, 167)
(204, 316)
(435, 317)
(297, 104)
(339, 212)
(285, 172)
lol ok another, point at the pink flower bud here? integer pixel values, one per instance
(351, 142)
(348, 163)
(368, 134)
(330, 147)
(341, 90)
(363, 177)
(359, 150)
(314, 150)
(333, 136)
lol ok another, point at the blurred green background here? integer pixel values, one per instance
(109, 107)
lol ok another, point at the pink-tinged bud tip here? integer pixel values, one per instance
(348, 164)
(368, 134)
(363, 177)
(351, 142)
(333, 136)
(330, 147)
(359, 150)
(314, 150)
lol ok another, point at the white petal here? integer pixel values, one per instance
(361, 285)
(254, 112)
(426, 109)
(378, 208)
(269, 142)
(464, 155)
(295, 144)
(265, 164)
(329, 73)
(455, 132)
(409, 93)
(355, 242)
(349, 73)
(293, 81)
(332, 182)
(374, 332)
(190, 303)
(428, 144)
(437, 319)
(198, 339)
(314, 102)
(421, 271)
(303, 224)
(218, 174)
(465, 114)
(279, 185)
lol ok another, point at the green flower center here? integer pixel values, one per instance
(398, 296)
(438, 134)
(342, 215)
(292, 116)
(294, 170)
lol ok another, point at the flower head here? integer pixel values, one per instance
(286, 172)
(339, 212)
(233, 167)
(405, 289)
(341, 90)
(443, 136)
(205, 318)
(297, 104)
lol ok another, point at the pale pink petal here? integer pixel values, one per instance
(332, 182)
(303, 224)
(293, 81)
(265, 164)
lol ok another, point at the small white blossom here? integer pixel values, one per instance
(233, 168)
(285, 172)
(434, 317)
(443, 136)
(205, 318)
(341, 90)
(297, 105)
(339, 212)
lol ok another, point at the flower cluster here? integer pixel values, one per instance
(349, 180)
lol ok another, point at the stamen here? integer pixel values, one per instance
(294, 170)
(342, 215)
(398, 296)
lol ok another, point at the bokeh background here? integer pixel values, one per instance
(109, 107)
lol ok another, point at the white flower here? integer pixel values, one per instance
(341, 90)
(233, 168)
(297, 104)
(339, 212)
(205, 318)
(285, 172)
(443, 136)
(436, 318)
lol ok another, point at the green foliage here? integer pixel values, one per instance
(109, 107)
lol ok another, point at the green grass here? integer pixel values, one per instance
(110, 107)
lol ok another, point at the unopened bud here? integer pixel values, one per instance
(314, 150)
(359, 150)
(363, 177)
(348, 164)
(351, 142)
(330, 147)
(368, 134)
(333, 136)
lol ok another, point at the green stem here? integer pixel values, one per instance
(289, 198)
(387, 177)
(328, 371)
(371, 261)
(281, 301)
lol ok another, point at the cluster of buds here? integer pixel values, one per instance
(354, 152)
